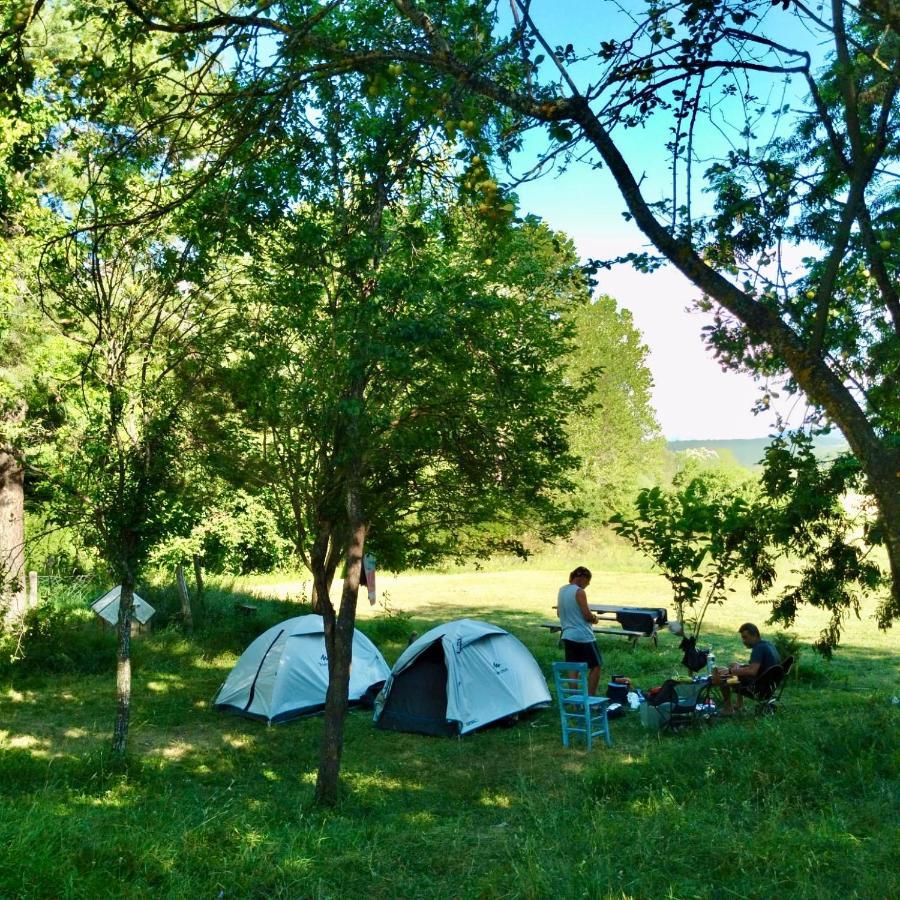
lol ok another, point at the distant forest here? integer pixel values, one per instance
(750, 451)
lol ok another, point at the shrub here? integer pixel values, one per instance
(787, 644)
(391, 627)
(60, 635)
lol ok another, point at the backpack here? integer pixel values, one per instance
(694, 660)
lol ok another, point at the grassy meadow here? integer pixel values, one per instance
(803, 804)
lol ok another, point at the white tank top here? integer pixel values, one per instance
(574, 627)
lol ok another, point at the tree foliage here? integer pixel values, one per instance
(814, 511)
(785, 230)
(818, 184)
(709, 528)
(701, 533)
(615, 436)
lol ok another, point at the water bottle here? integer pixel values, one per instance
(710, 663)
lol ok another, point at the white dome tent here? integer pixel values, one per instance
(283, 674)
(458, 677)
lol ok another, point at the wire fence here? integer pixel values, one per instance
(73, 588)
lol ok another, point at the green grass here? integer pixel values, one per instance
(804, 804)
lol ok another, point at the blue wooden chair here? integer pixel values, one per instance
(579, 713)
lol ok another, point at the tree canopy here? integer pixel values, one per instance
(785, 228)
(295, 224)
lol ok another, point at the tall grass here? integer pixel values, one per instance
(802, 804)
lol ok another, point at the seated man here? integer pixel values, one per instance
(763, 655)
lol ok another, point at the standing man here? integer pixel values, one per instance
(576, 620)
(763, 655)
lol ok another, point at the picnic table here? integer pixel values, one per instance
(634, 622)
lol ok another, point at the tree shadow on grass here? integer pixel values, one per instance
(174, 723)
(210, 799)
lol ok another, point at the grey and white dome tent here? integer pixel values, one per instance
(283, 674)
(458, 677)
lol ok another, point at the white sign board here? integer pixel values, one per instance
(107, 607)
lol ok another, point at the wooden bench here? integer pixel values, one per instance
(555, 628)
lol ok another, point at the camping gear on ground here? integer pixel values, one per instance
(690, 705)
(458, 677)
(580, 713)
(654, 717)
(617, 693)
(662, 694)
(107, 607)
(675, 704)
(283, 674)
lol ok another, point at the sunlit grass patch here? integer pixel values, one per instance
(209, 804)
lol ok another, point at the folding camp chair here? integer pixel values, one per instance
(579, 713)
(766, 690)
(690, 705)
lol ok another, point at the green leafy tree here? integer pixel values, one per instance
(405, 362)
(26, 117)
(820, 187)
(810, 511)
(617, 437)
(701, 533)
(823, 182)
(141, 331)
(711, 526)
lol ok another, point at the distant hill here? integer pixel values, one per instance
(750, 451)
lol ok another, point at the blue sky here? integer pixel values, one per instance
(694, 398)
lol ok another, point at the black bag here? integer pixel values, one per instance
(694, 660)
(618, 693)
(636, 621)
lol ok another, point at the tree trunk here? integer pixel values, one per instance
(198, 580)
(336, 546)
(12, 527)
(335, 552)
(186, 615)
(123, 665)
(885, 485)
(198, 576)
(339, 645)
(321, 602)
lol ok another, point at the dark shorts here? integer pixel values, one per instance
(589, 653)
